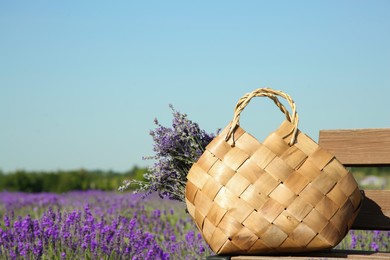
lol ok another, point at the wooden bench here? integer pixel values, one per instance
(354, 148)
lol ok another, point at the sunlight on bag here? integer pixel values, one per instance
(286, 194)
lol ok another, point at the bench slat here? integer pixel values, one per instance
(334, 254)
(358, 147)
(375, 211)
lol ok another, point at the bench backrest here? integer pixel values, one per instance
(364, 147)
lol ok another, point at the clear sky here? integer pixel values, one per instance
(82, 81)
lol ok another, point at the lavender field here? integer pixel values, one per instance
(108, 225)
(95, 225)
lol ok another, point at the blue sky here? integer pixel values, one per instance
(82, 81)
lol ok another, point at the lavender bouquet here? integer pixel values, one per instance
(176, 149)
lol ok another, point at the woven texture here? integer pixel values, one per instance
(285, 194)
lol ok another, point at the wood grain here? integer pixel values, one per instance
(358, 147)
(334, 254)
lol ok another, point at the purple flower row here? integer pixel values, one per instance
(101, 225)
(366, 240)
(93, 225)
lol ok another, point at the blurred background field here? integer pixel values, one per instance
(81, 179)
(70, 180)
(79, 213)
(374, 178)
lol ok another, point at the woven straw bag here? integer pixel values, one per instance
(286, 194)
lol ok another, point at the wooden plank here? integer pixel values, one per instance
(375, 211)
(334, 254)
(359, 146)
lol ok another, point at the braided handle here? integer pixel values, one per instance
(272, 94)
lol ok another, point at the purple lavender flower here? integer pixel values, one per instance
(201, 249)
(374, 246)
(38, 249)
(12, 254)
(157, 213)
(353, 240)
(6, 221)
(176, 149)
(190, 237)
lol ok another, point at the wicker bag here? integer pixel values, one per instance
(286, 194)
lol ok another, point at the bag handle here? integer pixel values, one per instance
(272, 94)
